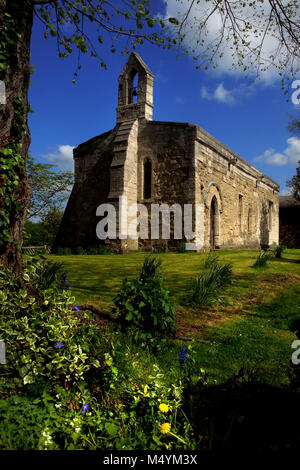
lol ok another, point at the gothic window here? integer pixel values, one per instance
(147, 178)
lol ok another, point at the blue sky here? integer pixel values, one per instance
(249, 118)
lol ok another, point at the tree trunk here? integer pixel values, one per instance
(16, 19)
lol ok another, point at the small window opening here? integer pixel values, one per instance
(147, 178)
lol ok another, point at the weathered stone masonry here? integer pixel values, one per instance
(154, 162)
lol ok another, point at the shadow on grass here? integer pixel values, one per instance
(282, 309)
(245, 416)
(286, 260)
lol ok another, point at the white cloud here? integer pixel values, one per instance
(63, 157)
(202, 13)
(220, 94)
(179, 100)
(285, 192)
(290, 156)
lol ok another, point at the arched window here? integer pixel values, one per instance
(147, 178)
(133, 87)
(214, 223)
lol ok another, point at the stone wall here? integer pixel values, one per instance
(188, 167)
(169, 147)
(92, 181)
(247, 201)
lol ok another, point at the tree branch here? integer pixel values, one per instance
(42, 2)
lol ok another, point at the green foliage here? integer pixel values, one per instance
(51, 221)
(57, 362)
(205, 288)
(150, 269)
(36, 319)
(294, 183)
(22, 423)
(144, 307)
(262, 258)
(97, 250)
(278, 251)
(90, 250)
(181, 248)
(211, 260)
(43, 232)
(50, 188)
(11, 160)
(50, 274)
(11, 164)
(64, 251)
(159, 249)
(35, 234)
(134, 21)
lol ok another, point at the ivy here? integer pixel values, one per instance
(11, 161)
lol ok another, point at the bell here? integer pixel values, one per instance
(134, 93)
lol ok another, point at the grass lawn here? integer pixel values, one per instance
(248, 325)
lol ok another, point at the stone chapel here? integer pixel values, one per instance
(153, 162)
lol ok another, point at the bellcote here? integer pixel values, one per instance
(135, 96)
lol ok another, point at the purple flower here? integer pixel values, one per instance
(183, 356)
(59, 345)
(85, 407)
(76, 308)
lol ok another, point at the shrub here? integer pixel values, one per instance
(262, 259)
(278, 251)
(80, 251)
(49, 274)
(210, 261)
(98, 250)
(181, 248)
(143, 305)
(22, 423)
(159, 249)
(206, 286)
(63, 251)
(45, 340)
(150, 269)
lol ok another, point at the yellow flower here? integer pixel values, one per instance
(165, 428)
(163, 408)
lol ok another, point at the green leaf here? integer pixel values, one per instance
(173, 21)
(129, 316)
(112, 429)
(28, 379)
